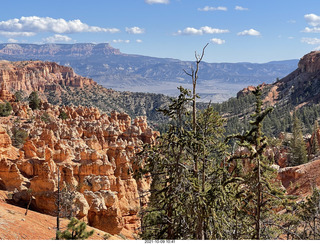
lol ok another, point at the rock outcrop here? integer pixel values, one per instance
(39, 76)
(310, 63)
(90, 151)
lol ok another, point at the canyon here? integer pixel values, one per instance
(92, 151)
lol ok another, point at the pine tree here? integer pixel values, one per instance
(309, 214)
(76, 230)
(184, 203)
(259, 193)
(298, 146)
(315, 142)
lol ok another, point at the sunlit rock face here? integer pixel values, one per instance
(94, 153)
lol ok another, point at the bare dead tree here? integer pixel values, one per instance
(194, 76)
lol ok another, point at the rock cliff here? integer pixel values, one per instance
(90, 151)
(39, 76)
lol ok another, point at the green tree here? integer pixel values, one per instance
(18, 96)
(19, 136)
(298, 150)
(314, 145)
(34, 100)
(260, 195)
(5, 109)
(186, 203)
(76, 230)
(309, 214)
(63, 115)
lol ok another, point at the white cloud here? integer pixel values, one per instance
(120, 41)
(57, 38)
(312, 19)
(12, 34)
(139, 41)
(311, 41)
(134, 30)
(217, 41)
(11, 40)
(201, 31)
(251, 32)
(157, 1)
(312, 30)
(239, 8)
(35, 24)
(207, 8)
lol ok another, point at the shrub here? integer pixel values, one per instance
(63, 115)
(19, 137)
(45, 117)
(5, 109)
(34, 100)
(18, 96)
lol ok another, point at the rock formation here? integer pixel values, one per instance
(28, 76)
(94, 153)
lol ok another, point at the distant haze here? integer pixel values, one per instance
(113, 69)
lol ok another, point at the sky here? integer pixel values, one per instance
(237, 30)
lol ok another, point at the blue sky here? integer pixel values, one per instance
(237, 30)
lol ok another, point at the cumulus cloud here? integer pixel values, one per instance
(251, 32)
(207, 8)
(35, 24)
(200, 31)
(57, 38)
(311, 41)
(11, 40)
(312, 19)
(239, 8)
(312, 30)
(134, 30)
(138, 41)
(120, 41)
(217, 41)
(157, 1)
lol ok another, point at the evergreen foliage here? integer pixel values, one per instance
(76, 230)
(5, 109)
(19, 136)
(298, 150)
(34, 100)
(260, 195)
(309, 215)
(63, 115)
(18, 96)
(314, 144)
(189, 184)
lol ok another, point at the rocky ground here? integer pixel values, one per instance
(15, 225)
